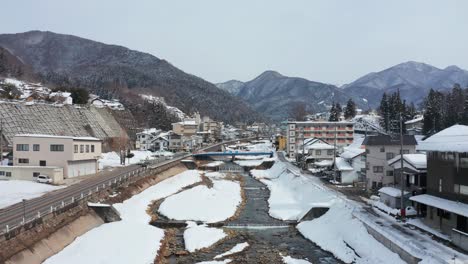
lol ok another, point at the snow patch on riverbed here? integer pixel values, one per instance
(204, 204)
(131, 240)
(200, 236)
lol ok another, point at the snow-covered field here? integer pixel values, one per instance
(204, 204)
(13, 191)
(200, 236)
(131, 240)
(292, 195)
(112, 159)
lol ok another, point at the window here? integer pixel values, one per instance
(318, 152)
(92, 148)
(378, 169)
(444, 214)
(389, 173)
(330, 152)
(382, 149)
(56, 147)
(36, 147)
(440, 185)
(463, 160)
(75, 148)
(390, 155)
(87, 148)
(23, 161)
(461, 189)
(42, 163)
(8, 173)
(35, 174)
(22, 147)
(2, 173)
(81, 148)
(363, 158)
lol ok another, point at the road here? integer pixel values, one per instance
(13, 215)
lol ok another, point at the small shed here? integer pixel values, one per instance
(391, 196)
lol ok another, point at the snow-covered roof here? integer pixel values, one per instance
(342, 165)
(319, 146)
(452, 139)
(415, 120)
(418, 161)
(391, 191)
(323, 163)
(351, 153)
(53, 136)
(441, 203)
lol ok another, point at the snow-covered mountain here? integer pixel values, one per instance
(414, 79)
(232, 86)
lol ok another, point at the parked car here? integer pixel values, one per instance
(44, 179)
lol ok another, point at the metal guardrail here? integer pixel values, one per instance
(85, 193)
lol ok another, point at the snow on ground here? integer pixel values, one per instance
(200, 236)
(346, 237)
(290, 260)
(236, 249)
(214, 164)
(292, 195)
(13, 191)
(215, 262)
(215, 175)
(132, 239)
(249, 163)
(112, 159)
(204, 204)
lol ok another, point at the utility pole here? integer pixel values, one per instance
(402, 202)
(303, 149)
(334, 157)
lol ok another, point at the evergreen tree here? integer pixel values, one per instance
(454, 106)
(350, 109)
(434, 113)
(384, 112)
(334, 113)
(339, 111)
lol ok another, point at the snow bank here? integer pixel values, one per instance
(200, 236)
(236, 249)
(112, 159)
(132, 239)
(249, 163)
(14, 191)
(215, 262)
(292, 195)
(204, 204)
(290, 260)
(346, 237)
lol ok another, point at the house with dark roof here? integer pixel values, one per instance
(379, 150)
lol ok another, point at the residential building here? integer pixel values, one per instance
(356, 158)
(315, 150)
(188, 127)
(379, 150)
(77, 156)
(330, 132)
(152, 139)
(445, 204)
(414, 172)
(414, 126)
(212, 127)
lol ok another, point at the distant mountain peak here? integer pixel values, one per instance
(270, 74)
(453, 68)
(414, 65)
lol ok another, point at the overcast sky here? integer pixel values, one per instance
(329, 41)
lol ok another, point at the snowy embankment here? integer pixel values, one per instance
(292, 195)
(14, 191)
(290, 260)
(131, 240)
(205, 204)
(112, 159)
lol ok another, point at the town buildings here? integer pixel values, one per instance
(379, 150)
(354, 158)
(152, 139)
(330, 132)
(444, 205)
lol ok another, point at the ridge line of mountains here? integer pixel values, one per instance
(112, 71)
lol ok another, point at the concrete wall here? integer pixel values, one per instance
(460, 239)
(26, 173)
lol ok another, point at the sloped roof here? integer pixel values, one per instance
(452, 139)
(351, 153)
(342, 165)
(418, 161)
(384, 140)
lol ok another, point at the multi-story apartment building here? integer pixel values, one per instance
(342, 132)
(379, 150)
(445, 204)
(76, 155)
(185, 128)
(212, 127)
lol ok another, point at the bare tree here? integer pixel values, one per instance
(298, 111)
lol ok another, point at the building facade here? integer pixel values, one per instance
(330, 132)
(77, 156)
(379, 150)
